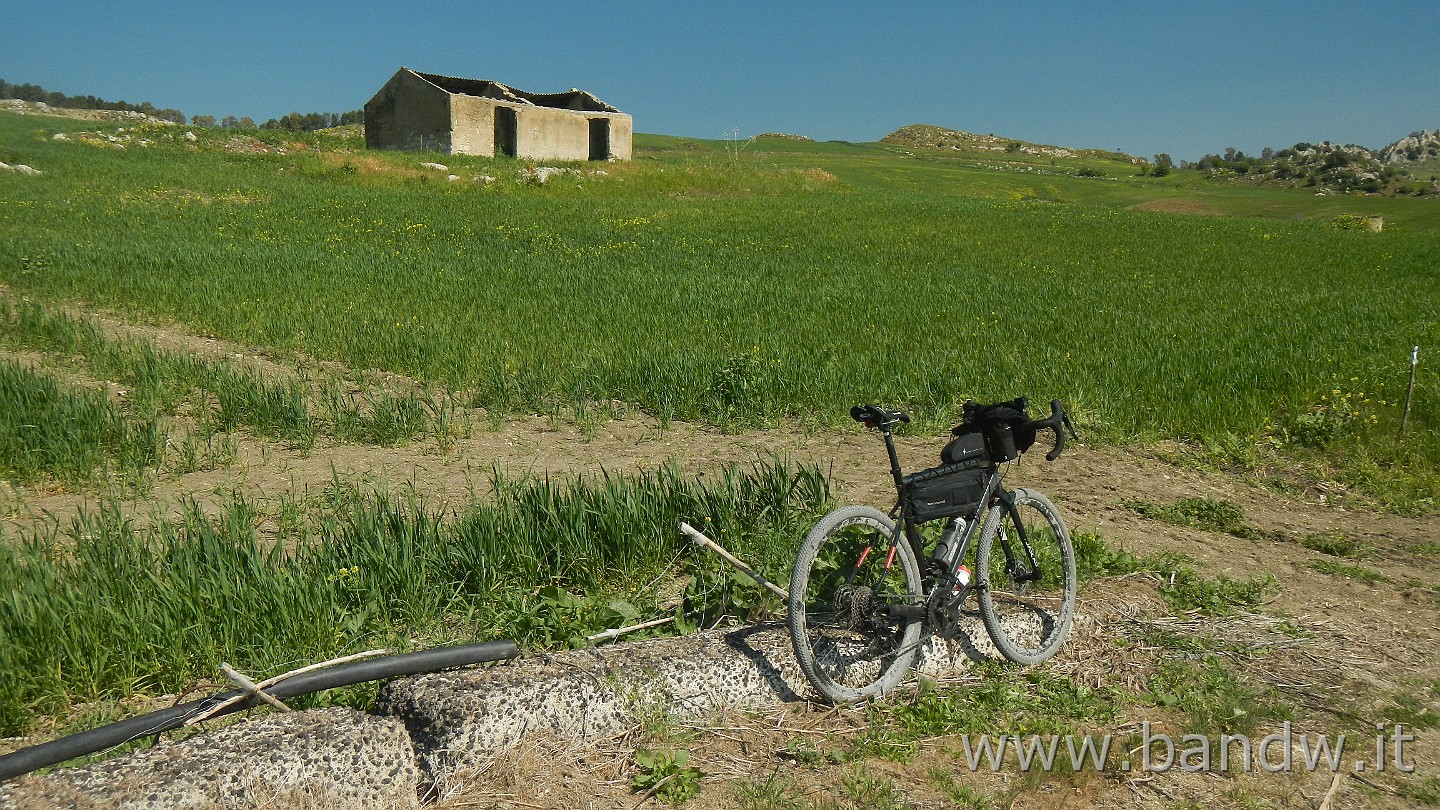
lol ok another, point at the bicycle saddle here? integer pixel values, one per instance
(876, 416)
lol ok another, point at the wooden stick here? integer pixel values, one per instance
(620, 631)
(1330, 794)
(269, 682)
(252, 688)
(701, 539)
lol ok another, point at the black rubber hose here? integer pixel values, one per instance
(98, 739)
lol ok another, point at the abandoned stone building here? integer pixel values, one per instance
(472, 117)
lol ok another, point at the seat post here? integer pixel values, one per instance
(895, 471)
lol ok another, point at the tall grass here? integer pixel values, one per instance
(48, 429)
(105, 609)
(225, 397)
(749, 295)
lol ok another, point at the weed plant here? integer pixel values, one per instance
(1356, 572)
(1004, 701)
(1181, 586)
(104, 609)
(1213, 696)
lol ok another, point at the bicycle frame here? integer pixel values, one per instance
(943, 560)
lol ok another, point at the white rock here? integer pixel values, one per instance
(26, 170)
(542, 174)
(453, 177)
(482, 178)
(190, 136)
(59, 136)
(439, 167)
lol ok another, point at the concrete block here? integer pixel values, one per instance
(330, 758)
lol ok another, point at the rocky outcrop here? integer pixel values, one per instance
(1417, 146)
(927, 136)
(18, 107)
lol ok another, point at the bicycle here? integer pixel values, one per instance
(858, 598)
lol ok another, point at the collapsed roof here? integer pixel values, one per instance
(571, 100)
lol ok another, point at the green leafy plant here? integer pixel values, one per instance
(560, 618)
(774, 793)
(1210, 514)
(1336, 543)
(876, 792)
(1096, 558)
(1212, 695)
(714, 594)
(1184, 589)
(665, 774)
(1357, 572)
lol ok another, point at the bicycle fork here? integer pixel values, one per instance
(1017, 573)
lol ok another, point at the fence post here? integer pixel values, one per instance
(1410, 391)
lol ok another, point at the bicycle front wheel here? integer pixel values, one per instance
(1026, 571)
(855, 605)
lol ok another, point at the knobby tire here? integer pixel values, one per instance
(1027, 620)
(850, 646)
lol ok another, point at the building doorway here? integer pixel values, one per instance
(599, 138)
(507, 125)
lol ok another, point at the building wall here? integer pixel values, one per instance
(622, 135)
(547, 133)
(408, 113)
(411, 113)
(543, 133)
(472, 126)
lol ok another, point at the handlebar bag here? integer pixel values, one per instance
(1002, 424)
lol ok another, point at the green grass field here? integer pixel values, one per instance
(105, 609)
(775, 282)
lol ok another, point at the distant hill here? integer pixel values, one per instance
(926, 136)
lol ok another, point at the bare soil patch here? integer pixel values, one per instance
(1178, 206)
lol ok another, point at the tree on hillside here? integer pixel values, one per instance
(203, 120)
(309, 122)
(33, 92)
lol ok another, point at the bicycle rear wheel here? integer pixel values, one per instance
(851, 573)
(1025, 568)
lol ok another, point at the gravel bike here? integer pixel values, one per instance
(859, 597)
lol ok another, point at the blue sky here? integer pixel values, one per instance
(1180, 77)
